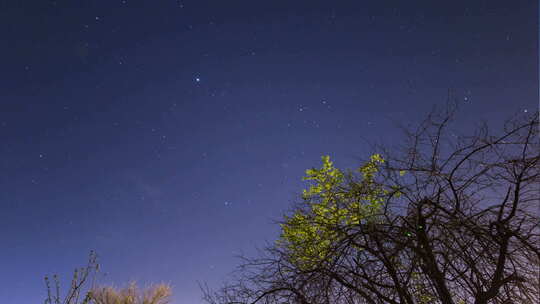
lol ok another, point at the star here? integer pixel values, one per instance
(197, 79)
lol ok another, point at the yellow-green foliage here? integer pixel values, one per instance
(336, 201)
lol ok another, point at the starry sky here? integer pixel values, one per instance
(170, 135)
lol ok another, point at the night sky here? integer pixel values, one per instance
(169, 135)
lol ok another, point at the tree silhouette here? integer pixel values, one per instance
(440, 219)
(78, 291)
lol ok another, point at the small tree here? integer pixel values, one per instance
(83, 290)
(157, 294)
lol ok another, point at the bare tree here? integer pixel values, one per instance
(78, 289)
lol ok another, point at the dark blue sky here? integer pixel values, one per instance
(168, 135)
